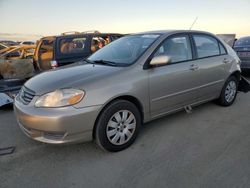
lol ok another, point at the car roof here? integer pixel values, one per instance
(244, 38)
(161, 32)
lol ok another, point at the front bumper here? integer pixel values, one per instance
(56, 125)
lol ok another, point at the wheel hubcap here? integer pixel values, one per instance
(230, 91)
(121, 127)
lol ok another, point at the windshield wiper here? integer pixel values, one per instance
(88, 61)
(105, 62)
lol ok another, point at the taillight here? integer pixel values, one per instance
(53, 64)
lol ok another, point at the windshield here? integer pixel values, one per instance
(243, 42)
(126, 50)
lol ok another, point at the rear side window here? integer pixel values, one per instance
(222, 49)
(178, 48)
(72, 45)
(206, 46)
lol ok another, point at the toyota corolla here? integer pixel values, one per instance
(135, 79)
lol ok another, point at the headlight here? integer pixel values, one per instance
(60, 98)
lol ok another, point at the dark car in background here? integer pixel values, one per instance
(242, 47)
(9, 42)
(69, 47)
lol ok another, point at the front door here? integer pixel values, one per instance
(174, 85)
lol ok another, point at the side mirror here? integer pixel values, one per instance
(160, 60)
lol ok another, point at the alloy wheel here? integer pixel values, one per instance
(230, 91)
(121, 127)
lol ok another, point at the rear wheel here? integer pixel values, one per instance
(229, 92)
(118, 126)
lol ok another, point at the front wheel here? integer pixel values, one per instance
(118, 126)
(229, 92)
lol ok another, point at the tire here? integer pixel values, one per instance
(118, 126)
(229, 92)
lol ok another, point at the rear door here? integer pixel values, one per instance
(212, 61)
(176, 84)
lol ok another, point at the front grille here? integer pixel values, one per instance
(26, 95)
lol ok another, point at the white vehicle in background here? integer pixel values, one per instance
(228, 38)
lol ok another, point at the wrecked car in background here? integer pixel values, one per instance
(4, 48)
(19, 52)
(69, 47)
(9, 42)
(16, 66)
(19, 63)
(27, 43)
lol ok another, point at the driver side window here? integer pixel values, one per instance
(178, 48)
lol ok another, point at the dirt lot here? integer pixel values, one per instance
(208, 148)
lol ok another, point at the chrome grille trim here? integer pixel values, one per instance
(26, 95)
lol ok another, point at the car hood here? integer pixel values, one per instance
(74, 76)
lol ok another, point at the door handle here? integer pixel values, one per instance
(193, 67)
(226, 60)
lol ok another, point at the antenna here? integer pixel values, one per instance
(193, 23)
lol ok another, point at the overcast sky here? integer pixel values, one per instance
(49, 17)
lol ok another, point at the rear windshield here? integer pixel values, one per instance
(72, 45)
(243, 42)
